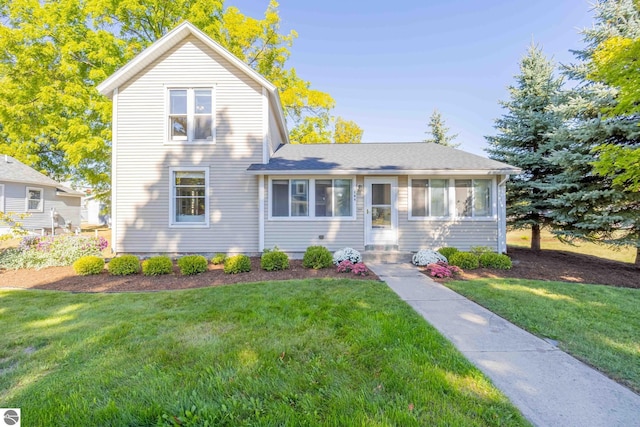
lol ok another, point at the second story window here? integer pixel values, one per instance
(191, 114)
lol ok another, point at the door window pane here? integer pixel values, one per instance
(419, 188)
(381, 217)
(482, 197)
(280, 197)
(380, 194)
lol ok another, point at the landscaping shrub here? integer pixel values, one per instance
(447, 252)
(51, 251)
(427, 256)
(157, 265)
(346, 254)
(465, 260)
(494, 260)
(124, 265)
(479, 250)
(218, 259)
(192, 264)
(317, 257)
(443, 270)
(237, 264)
(274, 259)
(88, 265)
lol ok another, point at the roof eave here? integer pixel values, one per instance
(438, 172)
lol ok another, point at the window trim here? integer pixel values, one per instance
(410, 199)
(191, 89)
(172, 197)
(311, 209)
(452, 199)
(27, 199)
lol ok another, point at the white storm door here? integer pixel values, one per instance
(381, 211)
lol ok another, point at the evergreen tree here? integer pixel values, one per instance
(439, 131)
(588, 205)
(523, 141)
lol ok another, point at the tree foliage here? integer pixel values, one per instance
(347, 132)
(523, 141)
(439, 131)
(53, 53)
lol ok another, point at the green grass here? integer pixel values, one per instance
(598, 324)
(522, 238)
(314, 352)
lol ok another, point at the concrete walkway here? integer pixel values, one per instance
(549, 387)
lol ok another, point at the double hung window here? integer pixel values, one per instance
(190, 202)
(191, 114)
(35, 200)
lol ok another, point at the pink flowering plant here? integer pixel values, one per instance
(442, 270)
(358, 268)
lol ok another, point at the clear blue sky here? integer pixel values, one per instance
(389, 64)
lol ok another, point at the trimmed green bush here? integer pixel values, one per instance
(494, 260)
(88, 265)
(237, 264)
(317, 257)
(157, 265)
(218, 259)
(124, 265)
(465, 260)
(274, 259)
(447, 252)
(479, 250)
(192, 264)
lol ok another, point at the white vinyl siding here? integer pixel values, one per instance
(144, 161)
(2, 198)
(34, 200)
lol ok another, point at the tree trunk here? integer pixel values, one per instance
(535, 237)
(638, 257)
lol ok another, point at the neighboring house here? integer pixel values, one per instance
(25, 190)
(202, 163)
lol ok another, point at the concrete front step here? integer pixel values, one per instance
(386, 256)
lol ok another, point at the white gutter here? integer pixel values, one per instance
(443, 172)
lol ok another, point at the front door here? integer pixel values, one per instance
(380, 211)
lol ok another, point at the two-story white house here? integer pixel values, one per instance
(202, 163)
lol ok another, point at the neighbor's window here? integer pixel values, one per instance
(429, 197)
(333, 197)
(35, 202)
(191, 114)
(311, 198)
(189, 197)
(473, 197)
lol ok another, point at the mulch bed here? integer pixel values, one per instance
(563, 267)
(65, 279)
(545, 265)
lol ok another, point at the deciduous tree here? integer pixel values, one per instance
(347, 132)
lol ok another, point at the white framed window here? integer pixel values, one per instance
(191, 115)
(473, 198)
(429, 198)
(318, 198)
(189, 202)
(35, 200)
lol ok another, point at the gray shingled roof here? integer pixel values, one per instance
(379, 157)
(12, 170)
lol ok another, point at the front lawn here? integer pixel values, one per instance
(598, 324)
(312, 352)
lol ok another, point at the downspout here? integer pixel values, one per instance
(502, 215)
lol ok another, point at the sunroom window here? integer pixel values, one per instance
(429, 197)
(473, 198)
(318, 198)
